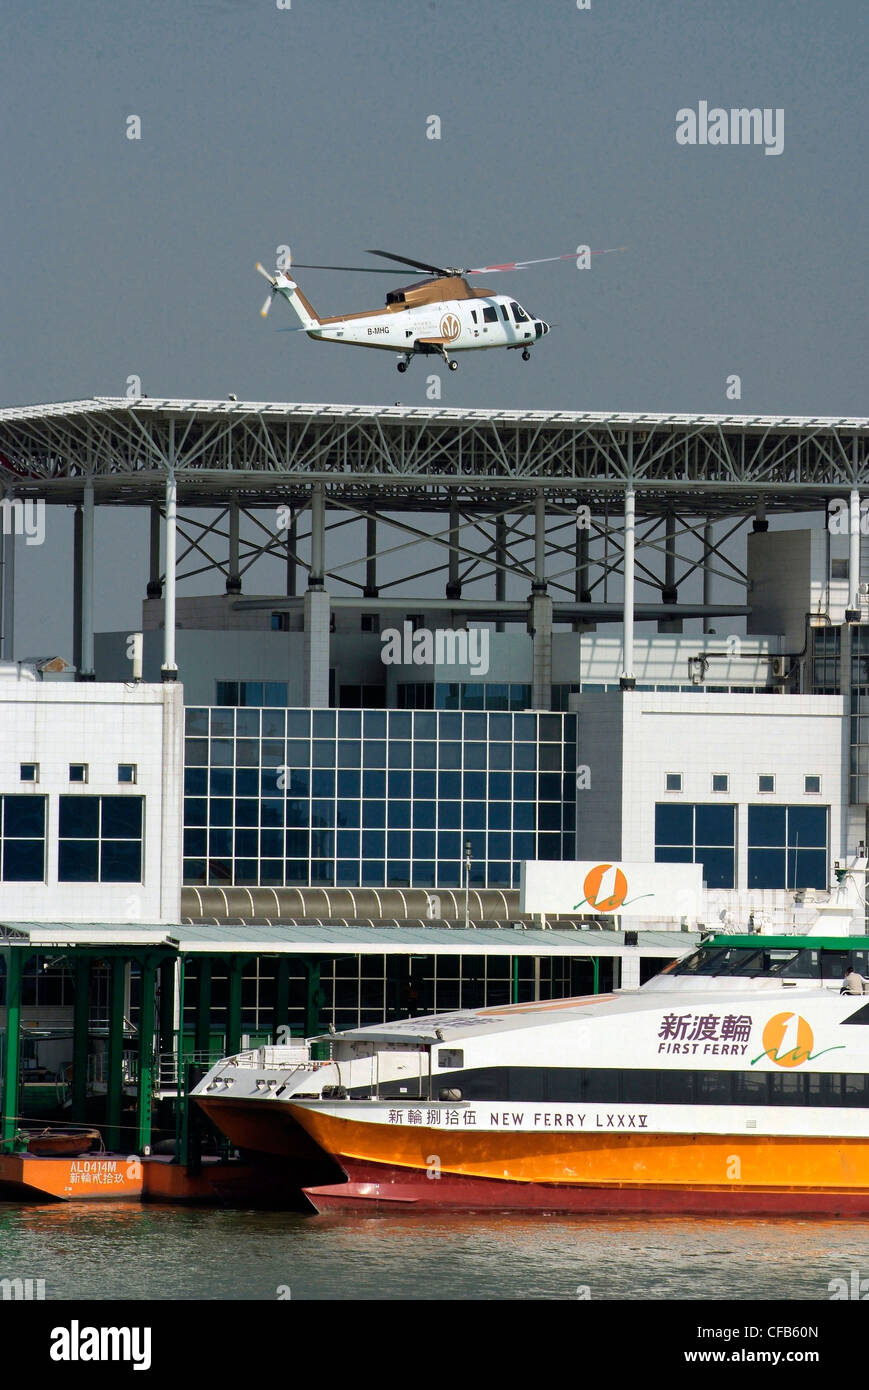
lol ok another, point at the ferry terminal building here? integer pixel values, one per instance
(245, 820)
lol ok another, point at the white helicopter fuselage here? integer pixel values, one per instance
(438, 325)
(459, 324)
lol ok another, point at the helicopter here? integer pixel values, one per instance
(437, 316)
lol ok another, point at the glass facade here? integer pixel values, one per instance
(255, 693)
(373, 798)
(826, 660)
(688, 834)
(859, 767)
(787, 846)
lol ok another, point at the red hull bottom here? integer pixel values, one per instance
(380, 1187)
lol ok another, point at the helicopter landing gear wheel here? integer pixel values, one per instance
(526, 355)
(402, 365)
(453, 366)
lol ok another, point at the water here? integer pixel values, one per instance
(171, 1253)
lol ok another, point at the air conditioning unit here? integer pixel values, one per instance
(779, 667)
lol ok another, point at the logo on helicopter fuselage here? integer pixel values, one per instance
(450, 327)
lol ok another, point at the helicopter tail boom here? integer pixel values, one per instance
(302, 307)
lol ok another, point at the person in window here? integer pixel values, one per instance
(852, 983)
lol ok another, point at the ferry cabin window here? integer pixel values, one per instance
(802, 963)
(490, 314)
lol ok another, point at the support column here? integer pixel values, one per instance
(233, 579)
(313, 997)
(167, 1007)
(708, 552)
(155, 584)
(581, 591)
(627, 680)
(317, 609)
(233, 1008)
(86, 670)
(11, 1080)
(145, 1085)
(7, 593)
(370, 590)
(454, 587)
(318, 536)
(169, 669)
(669, 593)
(540, 616)
(853, 613)
(292, 543)
(202, 1026)
(80, 1037)
(115, 1054)
(500, 562)
(760, 522)
(281, 1016)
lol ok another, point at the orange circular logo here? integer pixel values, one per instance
(450, 327)
(788, 1040)
(592, 886)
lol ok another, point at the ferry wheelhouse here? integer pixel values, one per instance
(735, 1081)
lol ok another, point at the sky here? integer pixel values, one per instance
(308, 126)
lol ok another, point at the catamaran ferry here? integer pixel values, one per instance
(735, 1081)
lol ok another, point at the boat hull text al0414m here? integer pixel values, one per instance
(736, 1081)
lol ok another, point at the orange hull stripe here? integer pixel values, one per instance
(633, 1160)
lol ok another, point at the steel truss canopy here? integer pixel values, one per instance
(414, 458)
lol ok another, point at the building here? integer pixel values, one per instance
(477, 638)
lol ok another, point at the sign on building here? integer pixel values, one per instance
(602, 889)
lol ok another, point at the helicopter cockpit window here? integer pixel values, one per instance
(504, 313)
(519, 313)
(490, 315)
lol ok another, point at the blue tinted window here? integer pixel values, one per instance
(398, 784)
(674, 824)
(298, 723)
(323, 782)
(349, 752)
(713, 825)
(766, 825)
(373, 844)
(324, 723)
(374, 725)
(195, 781)
(349, 723)
(24, 816)
(398, 813)
(220, 781)
(348, 844)
(349, 784)
(196, 721)
(449, 785)
(374, 784)
(247, 782)
(247, 723)
(374, 753)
